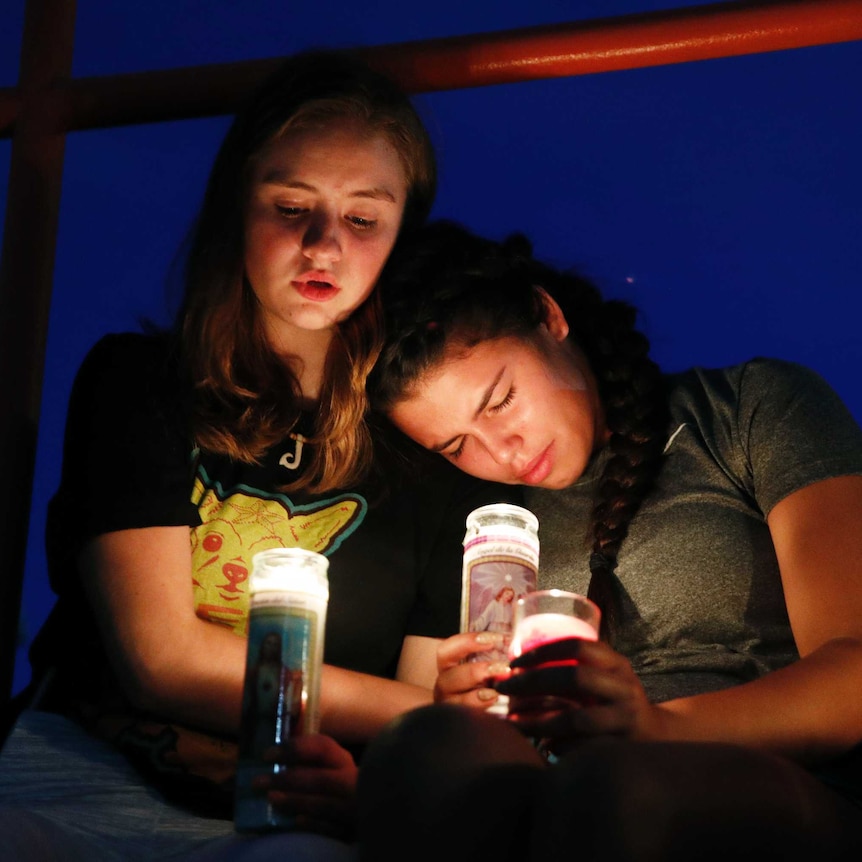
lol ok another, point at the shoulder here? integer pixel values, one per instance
(765, 373)
(130, 352)
(776, 423)
(127, 374)
(758, 402)
(127, 361)
(757, 380)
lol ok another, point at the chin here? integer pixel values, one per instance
(558, 482)
(313, 322)
(552, 484)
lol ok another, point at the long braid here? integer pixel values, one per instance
(632, 391)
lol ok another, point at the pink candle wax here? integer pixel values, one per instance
(537, 629)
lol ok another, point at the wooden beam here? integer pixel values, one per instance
(556, 50)
(26, 276)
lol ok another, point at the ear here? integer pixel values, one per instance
(555, 320)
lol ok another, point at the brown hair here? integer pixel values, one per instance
(245, 400)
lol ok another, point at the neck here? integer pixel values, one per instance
(305, 352)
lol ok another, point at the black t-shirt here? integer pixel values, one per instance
(129, 462)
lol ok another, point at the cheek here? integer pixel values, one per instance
(372, 247)
(563, 378)
(263, 246)
(371, 258)
(581, 435)
(578, 411)
(480, 465)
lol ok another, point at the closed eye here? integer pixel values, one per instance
(362, 223)
(498, 408)
(290, 212)
(456, 453)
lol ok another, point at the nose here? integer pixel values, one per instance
(504, 449)
(320, 242)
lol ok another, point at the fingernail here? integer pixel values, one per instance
(486, 694)
(489, 638)
(499, 669)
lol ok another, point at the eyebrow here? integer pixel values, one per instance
(277, 177)
(439, 447)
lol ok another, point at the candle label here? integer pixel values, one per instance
(287, 618)
(501, 563)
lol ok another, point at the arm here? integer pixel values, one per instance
(418, 662)
(809, 710)
(171, 662)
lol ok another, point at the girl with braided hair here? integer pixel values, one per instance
(714, 515)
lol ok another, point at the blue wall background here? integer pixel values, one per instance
(721, 197)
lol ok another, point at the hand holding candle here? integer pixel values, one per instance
(551, 615)
(543, 617)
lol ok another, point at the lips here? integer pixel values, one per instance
(537, 470)
(316, 286)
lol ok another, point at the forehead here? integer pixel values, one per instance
(340, 150)
(445, 398)
(464, 363)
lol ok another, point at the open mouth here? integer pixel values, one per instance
(315, 289)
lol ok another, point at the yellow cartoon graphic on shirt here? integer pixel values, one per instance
(239, 523)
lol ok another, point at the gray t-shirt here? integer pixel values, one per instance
(703, 604)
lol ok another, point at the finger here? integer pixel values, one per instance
(464, 678)
(568, 649)
(580, 683)
(563, 680)
(619, 686)
(314, 749)
(309, 779)
(458, 648)
(572, 721)
(479, 698)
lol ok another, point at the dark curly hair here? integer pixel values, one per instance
(448, 286)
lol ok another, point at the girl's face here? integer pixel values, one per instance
(524, 411)
(323, 212)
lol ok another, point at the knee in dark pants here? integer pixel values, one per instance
(619, 801)
(445, 782)
(609, 800)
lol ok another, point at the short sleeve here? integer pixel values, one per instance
(126, 455)
(795, 429)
